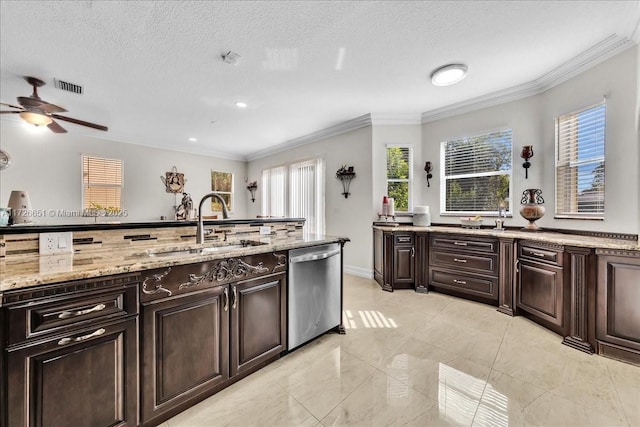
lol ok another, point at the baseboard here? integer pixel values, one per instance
(357, 271)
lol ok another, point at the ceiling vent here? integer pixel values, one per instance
(69, 87)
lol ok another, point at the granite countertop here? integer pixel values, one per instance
(22, 271)
(537, 236)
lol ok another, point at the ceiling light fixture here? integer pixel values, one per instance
(448, 74)
(231, 58)
(240, 104)
(36, 119)
(192, 139)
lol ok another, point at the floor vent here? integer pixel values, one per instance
(69, 87)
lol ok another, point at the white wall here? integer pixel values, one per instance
(47, 165)
(350, 217)
(532, 122)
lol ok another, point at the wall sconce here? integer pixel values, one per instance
(428, 168)
(527, 153)
(345, 175)
(252, 187)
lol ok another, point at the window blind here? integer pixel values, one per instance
(102, 183)
(274, 188)
(580, 163)
(399, 176)
(476, 174)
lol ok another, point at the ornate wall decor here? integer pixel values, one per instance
(173, 181)
(157, 287)
(231, 269)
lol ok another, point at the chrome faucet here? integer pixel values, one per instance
(225, 215)
(502, 213)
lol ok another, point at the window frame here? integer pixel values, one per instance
(90, 206)
(444, 178)
(215, 204)
(408, 180)
(595, 160)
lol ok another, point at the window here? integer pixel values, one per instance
(222, 183)
(475, 174)
(580, 138)
(101, 183)
(399, 175)
(296, 190)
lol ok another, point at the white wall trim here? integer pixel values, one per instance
(358, 271)
(597, 54)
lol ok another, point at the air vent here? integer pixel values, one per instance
(69, 87)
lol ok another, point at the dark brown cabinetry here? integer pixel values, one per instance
(72, 354)
(618, 301)
(206, 325)
(465, 266)
(394, 260)
(542, 292)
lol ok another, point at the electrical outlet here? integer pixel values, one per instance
(266, 229)
(56, 243)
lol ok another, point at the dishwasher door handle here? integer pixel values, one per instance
(314, 256)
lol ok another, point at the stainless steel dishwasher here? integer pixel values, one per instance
(314, 292)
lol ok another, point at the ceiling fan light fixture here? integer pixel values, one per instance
(36, 119)
(448, 74)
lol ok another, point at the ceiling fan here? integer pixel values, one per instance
(38, 112)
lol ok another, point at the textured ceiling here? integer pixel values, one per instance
(152, 71)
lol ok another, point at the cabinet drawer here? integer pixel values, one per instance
(53, 315)
(483, 264)
(403, 239)
(464, 243)
(466, 283)
(545, 254)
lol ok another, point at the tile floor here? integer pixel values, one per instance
(428, 360)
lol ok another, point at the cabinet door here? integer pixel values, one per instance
(403, 266)
(88, 378)
(258, 321)
(378, 255)
(185, 349)
(541, 293)
(617, 313)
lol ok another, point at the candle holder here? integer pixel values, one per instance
(527, 153)
(252, 187)
(428, 168)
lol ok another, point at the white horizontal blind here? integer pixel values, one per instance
(580, 163)
(475, 174)
(306, 195)
(274, 191)
(399, 176)
(102, 183)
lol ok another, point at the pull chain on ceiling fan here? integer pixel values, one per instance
(38, 112)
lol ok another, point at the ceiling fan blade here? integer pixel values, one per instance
(80, 122)
(28, 101)
(12, 106)
(56, 128)
(52, 108)
(10, 112)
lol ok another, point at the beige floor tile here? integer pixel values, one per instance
(626, 380)
(381, 401)
(476, 316)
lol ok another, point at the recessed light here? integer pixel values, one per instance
(448, 74)
(231, 58)
(240, 104)
(193, 139)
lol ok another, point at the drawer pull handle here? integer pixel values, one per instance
(226, 299)
(413, 252)
(460, 260)
(459, 282)
(235, 297)
(67, 314)
(97, 333)
(460, 243)
(538, 254)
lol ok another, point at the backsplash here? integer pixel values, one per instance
(126, 238)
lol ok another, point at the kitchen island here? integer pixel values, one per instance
(131, 331)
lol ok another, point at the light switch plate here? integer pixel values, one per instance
(56, 243)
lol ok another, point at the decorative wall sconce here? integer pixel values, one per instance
(527, 153)
(252, 187)
(428, 168)
(345, 175)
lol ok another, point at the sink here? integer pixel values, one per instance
(207, 250)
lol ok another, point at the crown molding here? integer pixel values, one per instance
(395, 119)
(344, 127)
(597, 54)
